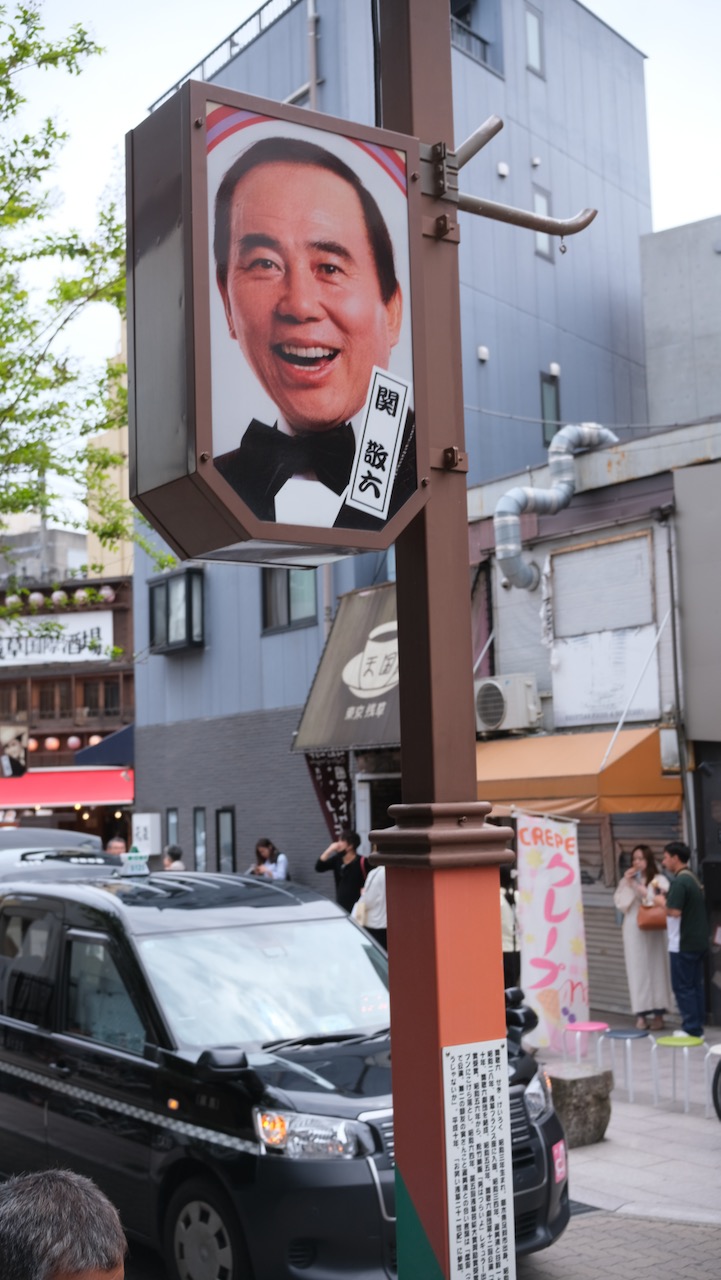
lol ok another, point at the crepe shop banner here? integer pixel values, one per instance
(554, 970)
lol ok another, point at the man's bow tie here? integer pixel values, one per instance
(272, 457)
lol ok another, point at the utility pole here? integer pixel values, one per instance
(442, 858)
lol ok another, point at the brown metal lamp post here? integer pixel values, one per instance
(442, 858)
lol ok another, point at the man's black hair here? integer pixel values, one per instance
(57, 1223)
(296, 151)
(678, 849)
(350, 837)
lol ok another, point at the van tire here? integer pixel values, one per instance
(716, 1090)
(202, 1236)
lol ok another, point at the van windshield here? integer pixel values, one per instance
(263, 982)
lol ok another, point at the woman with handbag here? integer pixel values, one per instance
(645, 949)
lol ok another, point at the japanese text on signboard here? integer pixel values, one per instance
(478, 1161)
(554, 973)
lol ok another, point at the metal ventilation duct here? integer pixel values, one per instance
(507, 517)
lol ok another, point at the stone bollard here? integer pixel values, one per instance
(582, 1098)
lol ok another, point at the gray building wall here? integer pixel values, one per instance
(579, 133)
(584, 121)
(697, 491)
(682, 314)
(238, 762)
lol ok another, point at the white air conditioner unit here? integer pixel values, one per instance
(507, 702)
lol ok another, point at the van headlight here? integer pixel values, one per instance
(308, 1137)
(538, 1097)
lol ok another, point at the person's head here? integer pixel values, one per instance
(642, 860)
(172, 853)
(304, 264)
(116, 845)
(265, 851)
(58, 1225)
(15, 747)
(676, 856)
(350, 841)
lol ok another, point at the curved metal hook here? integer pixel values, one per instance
(524, 218)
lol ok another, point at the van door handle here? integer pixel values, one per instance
(61, 1068)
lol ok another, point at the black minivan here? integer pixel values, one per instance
(214, 1052)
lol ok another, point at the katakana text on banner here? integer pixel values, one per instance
(554, 970)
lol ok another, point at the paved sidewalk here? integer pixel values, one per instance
(647, 1199)
(655, 1161)
(597, 1245)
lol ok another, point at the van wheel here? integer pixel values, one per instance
(716, 1090)
(203, 1239)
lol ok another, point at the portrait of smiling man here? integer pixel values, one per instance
(305, 269)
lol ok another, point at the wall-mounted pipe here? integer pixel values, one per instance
(507, 517)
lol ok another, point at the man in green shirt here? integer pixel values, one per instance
(687, 936)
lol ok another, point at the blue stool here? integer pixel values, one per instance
(627, 1037)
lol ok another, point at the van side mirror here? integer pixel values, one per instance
(225, 1064)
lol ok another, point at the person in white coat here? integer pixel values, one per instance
(645, 951)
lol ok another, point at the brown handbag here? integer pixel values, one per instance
(653, 917)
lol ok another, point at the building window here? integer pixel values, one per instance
(100, 698)
(289, 598)
(200, 844)
(534, 40)
(111, 697)
(91, 697)
(171, 826)
(550, 405)
(13, 701)
(65, 707)
(542, 206)
(54, 700)
(46, 702)
(225, 839)
(176, 611)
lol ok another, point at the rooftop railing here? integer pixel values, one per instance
(468, 42)
(233, 44)
(461, 37)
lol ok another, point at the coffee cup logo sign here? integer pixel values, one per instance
(373, 672)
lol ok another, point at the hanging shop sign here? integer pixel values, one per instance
(272, 275)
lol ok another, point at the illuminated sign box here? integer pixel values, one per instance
(272, 275)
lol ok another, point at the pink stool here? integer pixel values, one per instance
(581, 1029)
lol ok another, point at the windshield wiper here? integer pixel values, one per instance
(332, 1037)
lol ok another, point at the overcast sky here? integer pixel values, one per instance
(151, 45)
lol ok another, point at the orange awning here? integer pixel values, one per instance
(561, 773)
(63, 788)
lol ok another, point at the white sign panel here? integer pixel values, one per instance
(146, 833)
(479, 1169)
(554, 970)
(594, 677)
(371, 484)
(85, 637)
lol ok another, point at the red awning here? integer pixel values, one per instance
(63, 788)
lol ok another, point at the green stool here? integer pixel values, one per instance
(677, 1042)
